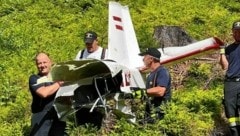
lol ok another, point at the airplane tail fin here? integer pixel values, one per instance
(122, 42)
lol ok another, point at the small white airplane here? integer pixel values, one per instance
(90, 83)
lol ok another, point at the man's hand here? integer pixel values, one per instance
(60, 83)
(222, 49)
(139, 94)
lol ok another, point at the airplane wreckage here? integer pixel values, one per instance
(91, 83)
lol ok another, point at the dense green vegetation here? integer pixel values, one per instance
(57, 26)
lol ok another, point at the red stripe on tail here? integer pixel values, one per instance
(119, 27)
(117, 18)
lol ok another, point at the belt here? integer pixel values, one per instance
(232, 79)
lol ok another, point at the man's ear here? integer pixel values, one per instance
(152, 58)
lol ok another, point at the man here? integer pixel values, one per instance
(230, 61)
(92, 50)
(158, 84)
(44, 121)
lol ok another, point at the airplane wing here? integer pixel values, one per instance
(88, 79)
(71, 71)
(173, 55)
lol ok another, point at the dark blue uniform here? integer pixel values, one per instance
(159, 77)
(232, 87)
(44, 120)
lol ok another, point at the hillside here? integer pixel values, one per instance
(57, 26)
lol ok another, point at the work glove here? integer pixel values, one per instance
(139, 94)
(222, 49)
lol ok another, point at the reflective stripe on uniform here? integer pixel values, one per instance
(234, 121)
(156, 111)
(154, 115)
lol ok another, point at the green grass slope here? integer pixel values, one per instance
(57, 26)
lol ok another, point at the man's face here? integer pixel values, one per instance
(91, 47)
(43, 64)
(147, 59)
(236, 34)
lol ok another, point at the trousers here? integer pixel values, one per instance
(232, 104)
(46, 123)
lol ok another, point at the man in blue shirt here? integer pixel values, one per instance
(158, 84)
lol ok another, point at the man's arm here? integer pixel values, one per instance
(156, 91)
(223, 61)
(46, 91)
(78, 55)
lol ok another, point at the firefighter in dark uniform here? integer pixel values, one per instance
(158, 85)
(44, 121)
(230, 61)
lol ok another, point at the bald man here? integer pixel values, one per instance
(44, 121)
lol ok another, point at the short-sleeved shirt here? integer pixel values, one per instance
(233, 56)
(39, 104)
(94, 55)
(160, 77)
